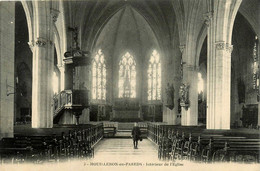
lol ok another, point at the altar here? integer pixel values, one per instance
(126, 110)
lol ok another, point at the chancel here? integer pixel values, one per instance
(76, 75)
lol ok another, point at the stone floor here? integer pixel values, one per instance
(122, 149)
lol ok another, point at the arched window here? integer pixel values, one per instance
(255, 65)
(154, 77)
(99, 77)
(127, 77)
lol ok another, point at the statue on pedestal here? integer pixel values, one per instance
(75, 50)
(184, 95)
(170, 96)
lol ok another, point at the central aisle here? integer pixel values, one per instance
(119, 149)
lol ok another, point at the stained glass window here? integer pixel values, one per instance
(127, 77)
(255, 65)
(99, 77)
(154, 77)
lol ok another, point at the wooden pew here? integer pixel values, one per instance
(77, 143)
(14, 150)
(238, 150)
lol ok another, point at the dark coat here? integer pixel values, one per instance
(136, 133)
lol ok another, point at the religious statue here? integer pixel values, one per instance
(184, 95)
(170, 96)
(75, 50)
(75, 33)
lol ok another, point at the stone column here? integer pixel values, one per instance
(189, 116)
(219, 84)
(220, 25)
(7, 84)
(43, 62)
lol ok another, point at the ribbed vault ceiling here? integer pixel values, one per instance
(92, 16)
(127, 30)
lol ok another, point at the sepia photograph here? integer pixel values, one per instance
(156, 85)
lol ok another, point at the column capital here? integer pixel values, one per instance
(229, 47)
(221, 45)
(208, 16)
(42, 42)
(54, 14)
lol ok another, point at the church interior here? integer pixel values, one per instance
(76, 75)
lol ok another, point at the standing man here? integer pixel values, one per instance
(136, 134)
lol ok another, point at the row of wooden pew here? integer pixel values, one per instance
(175, 143)
(76, 143)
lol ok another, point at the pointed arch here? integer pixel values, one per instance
(28, 9)
(127, 76)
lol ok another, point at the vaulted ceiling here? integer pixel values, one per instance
(128, 31)
(92, 15)
(162, 15)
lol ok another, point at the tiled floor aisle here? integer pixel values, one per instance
(122, 150)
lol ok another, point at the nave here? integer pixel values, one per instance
(163, 148)
(193, 81)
